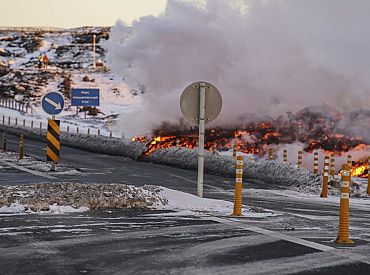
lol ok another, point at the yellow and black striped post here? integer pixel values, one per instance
(285, 155)
(300, 156)
(238, 187)
(21, 147)
(332, 165)
(4, 140)
(53, 142)
(325, 178)
(316, 163)
(271, 154)
(368, 176)
(343, 232)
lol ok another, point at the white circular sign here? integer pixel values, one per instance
(189, 102)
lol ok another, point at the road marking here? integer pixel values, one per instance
(342, 252)
(37, 173)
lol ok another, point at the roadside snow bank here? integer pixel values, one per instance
(70, 197)
(270, 171)
(358, 188)
(92, 143)
(188, 204)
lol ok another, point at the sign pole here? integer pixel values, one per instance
(202, 112)
(94, 39)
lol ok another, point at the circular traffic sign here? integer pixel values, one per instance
(53, 103)
(190, 101)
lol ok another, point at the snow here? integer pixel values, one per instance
(187, 204)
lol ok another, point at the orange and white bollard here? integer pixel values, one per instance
(271, 154)
(349, 162)
(234, 150)
(285, 155)
(21, 147)
(177, 142)
(238, 187)
(368, 176)
(325, 178)
(214, 148)
(332, 165)
(316, 163)
(300, 156)
(343, 234)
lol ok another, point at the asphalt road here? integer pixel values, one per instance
(298, 239)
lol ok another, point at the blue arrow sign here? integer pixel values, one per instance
(53, 103)
(85, 97)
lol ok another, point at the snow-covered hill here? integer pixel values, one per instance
(70, 56)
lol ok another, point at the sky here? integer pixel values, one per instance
(75, 13)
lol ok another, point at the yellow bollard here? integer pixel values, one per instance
(4, 140)
(332, 165)
(238, 187)
(316, 163)
(300, 156)
(21, 147)
(285, 155)
(325, 178)
(234, 150)
(343, 234)
(368, 176)
(214, 148)
(349, 162)
(271, 154)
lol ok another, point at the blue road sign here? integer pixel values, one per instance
(53, 103)
(85, 97)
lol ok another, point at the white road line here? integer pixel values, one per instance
(37, 173)
(344, 253)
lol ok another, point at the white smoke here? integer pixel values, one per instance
(265, 56)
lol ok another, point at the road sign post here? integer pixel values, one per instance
(53, 104)
(201, 102)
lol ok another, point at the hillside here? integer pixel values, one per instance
(70, 56)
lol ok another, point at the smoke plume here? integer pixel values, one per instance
(266, 57)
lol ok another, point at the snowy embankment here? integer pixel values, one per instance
(74, 197)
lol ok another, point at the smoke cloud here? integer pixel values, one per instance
(266, 57)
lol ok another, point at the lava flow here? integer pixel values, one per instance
(317, 130)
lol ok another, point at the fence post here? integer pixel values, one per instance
(24, 123)
(88, 131)
(98, 132)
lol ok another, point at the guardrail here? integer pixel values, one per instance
(40, 125)
(11, 103)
